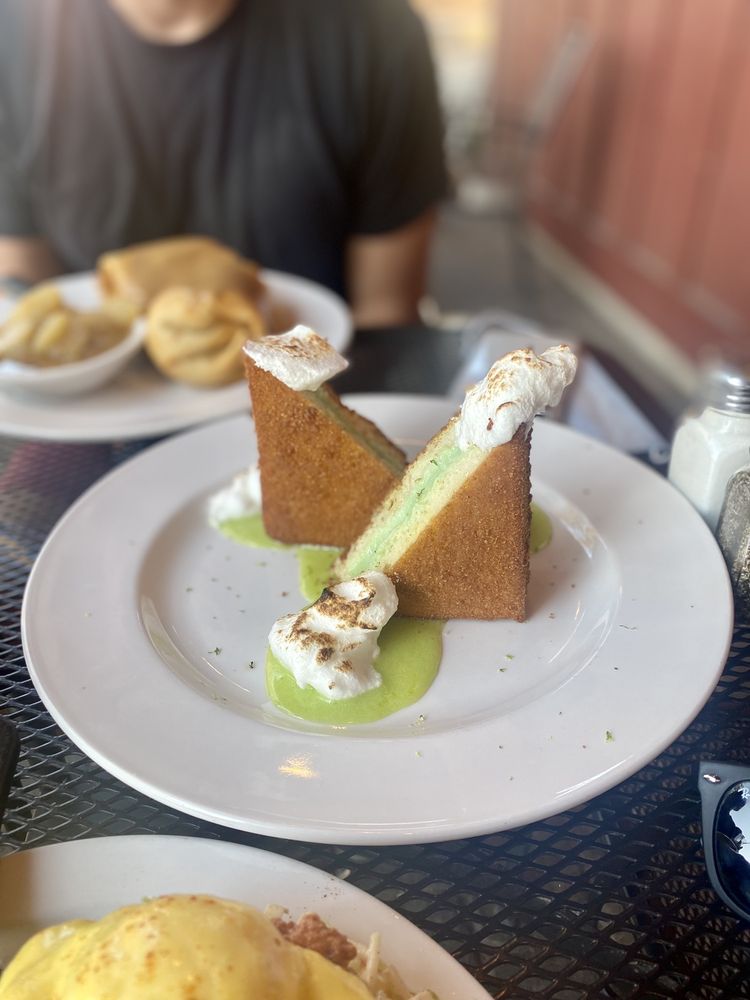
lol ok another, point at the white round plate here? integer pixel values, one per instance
(140, 624)
(140, 402)
(88, 878)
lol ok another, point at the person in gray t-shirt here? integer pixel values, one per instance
(304, 133)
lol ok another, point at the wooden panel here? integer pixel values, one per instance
(721, 263)
(661, 21)
(577, 130)
(685, 326)
(692, 106)
(557, 19)
(625, 42)
(645, 176)
(516, 56)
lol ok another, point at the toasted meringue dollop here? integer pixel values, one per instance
(300, 358)
(333, 644)
(513, 391)
(241, 498)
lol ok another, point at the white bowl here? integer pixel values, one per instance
(78, 376)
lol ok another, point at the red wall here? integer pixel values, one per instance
(645, 176)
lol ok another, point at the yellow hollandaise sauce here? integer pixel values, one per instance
(174, 946)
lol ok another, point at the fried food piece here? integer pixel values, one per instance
(141, 272)
(197, 336)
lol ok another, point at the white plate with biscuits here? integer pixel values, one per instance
(155, 670)
(140, 402)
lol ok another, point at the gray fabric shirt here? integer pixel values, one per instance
(292, 126)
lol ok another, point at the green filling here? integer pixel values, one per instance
(315, 569)
(315, 562)
(373, 444)
(410, 506)
(541, 529)
(410, 652)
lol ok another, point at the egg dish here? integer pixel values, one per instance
(199, 947)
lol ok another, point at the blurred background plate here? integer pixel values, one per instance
(140, 402)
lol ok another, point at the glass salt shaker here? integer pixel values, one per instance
(712, 442)
(733, 535)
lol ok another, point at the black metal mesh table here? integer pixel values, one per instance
(610, 899)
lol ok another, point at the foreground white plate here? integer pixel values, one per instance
(133, 594)
(140, 402)
(88, 878)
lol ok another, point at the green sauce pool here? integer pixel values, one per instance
(541, 529)
(410, 648)
(410, 654)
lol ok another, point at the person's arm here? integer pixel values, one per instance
(26, 259)
(387, 273)
(400, 176)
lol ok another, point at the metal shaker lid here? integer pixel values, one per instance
(725, 385)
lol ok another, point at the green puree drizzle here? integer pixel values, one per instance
(410, 648)
(410, 653)
(314, 561)
(541, 529)
(314, 570)
(250, 531)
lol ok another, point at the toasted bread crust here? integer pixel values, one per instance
(472, 559)
(319, 484)
(140, 272)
